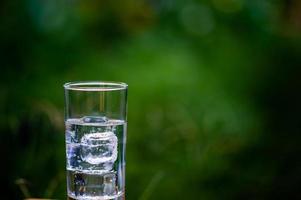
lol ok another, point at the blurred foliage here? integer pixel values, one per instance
(214, 93)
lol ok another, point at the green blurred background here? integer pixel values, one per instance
(214, 93)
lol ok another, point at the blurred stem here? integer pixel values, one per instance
(101, 101)
(23, 187)
(151, 186)
(53, 185)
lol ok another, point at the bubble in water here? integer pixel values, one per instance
(97, 148)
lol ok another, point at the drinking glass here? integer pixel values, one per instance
(95, 122)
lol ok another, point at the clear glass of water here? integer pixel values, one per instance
(95, 121)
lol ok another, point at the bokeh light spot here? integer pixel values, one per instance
(197, 19)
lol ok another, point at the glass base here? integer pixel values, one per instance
(122, 197)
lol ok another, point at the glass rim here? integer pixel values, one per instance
(95, 86)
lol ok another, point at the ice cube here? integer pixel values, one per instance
(79, 184)
(94, 119)
(72, 152)
(109, 184)
(99, 148)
